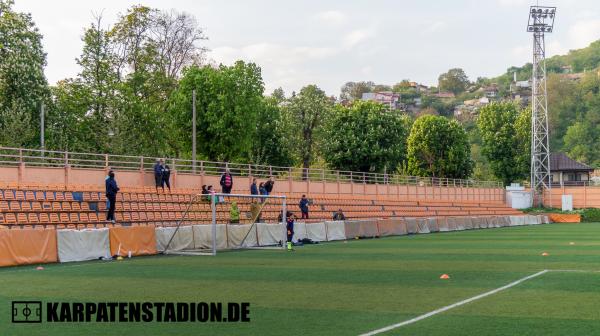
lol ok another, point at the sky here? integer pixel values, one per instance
(331, 42)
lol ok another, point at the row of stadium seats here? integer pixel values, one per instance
(85, 206)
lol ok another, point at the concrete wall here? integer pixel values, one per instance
(583, 196)
(134, 178)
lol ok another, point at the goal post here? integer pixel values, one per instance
(218, 222)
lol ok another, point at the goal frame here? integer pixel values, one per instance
(213, 206)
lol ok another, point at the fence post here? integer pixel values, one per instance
(21, 167)
(323, 180)
(290, 183)
(338, 182)
(141, 171)
(174, 173)
(351, 184)
(67, 169)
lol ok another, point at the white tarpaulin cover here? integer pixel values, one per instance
(368, 228)
(236, 234)
(299, 231)
(352, 229)
(336, 230)
(183, 240)
(271, 234)
(422, 226)
(79, 245)
(432, 224)
(203, 236)
(316, 231)
(411, 225)
(442, 223)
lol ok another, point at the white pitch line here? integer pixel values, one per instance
(443, 309)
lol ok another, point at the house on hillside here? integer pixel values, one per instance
(444, 95)
(568, 172)
(388, 98)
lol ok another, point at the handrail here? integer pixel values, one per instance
(54, 158)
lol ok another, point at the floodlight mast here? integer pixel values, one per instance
(541, 21)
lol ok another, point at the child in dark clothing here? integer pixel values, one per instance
(290, 230)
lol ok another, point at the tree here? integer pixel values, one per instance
(365, 137)
(455, 81)
(581, 141)
(270, 145)
(305, 113)
(23, 86)
(228, 100)
(438, 147)
(505, 140)
(355, 90)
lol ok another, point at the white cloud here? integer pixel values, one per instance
(331, 17)
(583, 33)
(356, 37)
(434, 27)
(514, 3)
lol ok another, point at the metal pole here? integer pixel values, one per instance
(284, 220)
(42, 144)
(194, 131)
(214, 226)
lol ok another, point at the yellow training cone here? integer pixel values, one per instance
(571, 243)
(445, 276)
(545, 254)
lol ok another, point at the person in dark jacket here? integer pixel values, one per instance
(339, 215)
(158, 171)
(226, 182)
(263, 191)
(290, 230)
(253, 187)
(111, 194)
(304, 207)
(205, 193)
(166, 175)
(269, 185)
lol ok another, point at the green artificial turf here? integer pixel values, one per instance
(345, 288)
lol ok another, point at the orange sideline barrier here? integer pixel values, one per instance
(140, 240)
(564, 218)
(20, 247)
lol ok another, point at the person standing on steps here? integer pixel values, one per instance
(111, 194)
(166, 175)
(269, 185)
(226, 182)
(158, 170)
(304, 207)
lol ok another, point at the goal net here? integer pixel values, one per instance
(220, 222)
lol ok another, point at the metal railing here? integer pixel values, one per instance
(60, 159)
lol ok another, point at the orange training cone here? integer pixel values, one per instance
(545, 254)
(445, 276)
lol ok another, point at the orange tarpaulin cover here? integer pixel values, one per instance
(139, 240)
(19, 247)
(564, 218)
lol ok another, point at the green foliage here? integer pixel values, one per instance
(505, 140)
(270, 144)
(354, 90)
(455, 81)
(304, 115)
(438, 147)
(228, 101)
(23, 86)
(590, 215)
(365, 137)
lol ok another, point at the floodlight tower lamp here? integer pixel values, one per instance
(540, 21)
